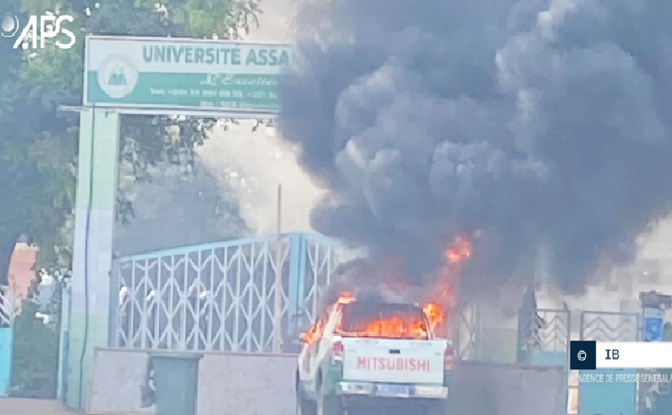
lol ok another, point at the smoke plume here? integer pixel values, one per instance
(539, 123)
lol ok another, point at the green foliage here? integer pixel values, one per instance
(38, 144)
(199, 21)
(35, 355)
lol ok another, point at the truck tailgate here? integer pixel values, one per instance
(393, 360)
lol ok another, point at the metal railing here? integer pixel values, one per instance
(607, 326)
(468, 331)
(544, 330)
(220, 297)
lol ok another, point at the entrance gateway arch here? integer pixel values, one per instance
(152, 76)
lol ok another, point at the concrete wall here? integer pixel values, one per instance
(29, 406)
(247, 384)
(229, 383)
(498, 389)
(254, 384)
(118, 376)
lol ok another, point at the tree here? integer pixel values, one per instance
(36, 347)
(35, 150)
(38, 144)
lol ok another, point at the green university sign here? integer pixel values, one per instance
(164, 74)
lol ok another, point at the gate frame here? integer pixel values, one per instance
(303, 255)
(89, 316)
(636, 315)
(554, 311)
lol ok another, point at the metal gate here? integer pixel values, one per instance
(544, 337)
(617, 397)
(544, 330)
(604, 326)
(468, 331)
(222, 296)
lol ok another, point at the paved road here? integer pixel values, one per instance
(17, 406)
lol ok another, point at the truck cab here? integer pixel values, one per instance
(363, 354)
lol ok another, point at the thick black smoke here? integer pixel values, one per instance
(540, 123)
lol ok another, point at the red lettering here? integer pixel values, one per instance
(362, 363)
(392, 363)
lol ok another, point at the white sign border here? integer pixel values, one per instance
(143, 109)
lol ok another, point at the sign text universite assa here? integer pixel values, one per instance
(184, 73)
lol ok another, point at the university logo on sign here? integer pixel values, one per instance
(117, 76)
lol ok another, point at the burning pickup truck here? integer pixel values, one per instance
(363, 354)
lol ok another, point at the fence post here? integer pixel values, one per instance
(63, 348)
(296, 277)
(113, 314)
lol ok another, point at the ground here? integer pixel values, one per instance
(16, 406)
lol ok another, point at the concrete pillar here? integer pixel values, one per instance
(94, 221)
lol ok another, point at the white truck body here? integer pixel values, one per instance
(393, 360)
(337, 365)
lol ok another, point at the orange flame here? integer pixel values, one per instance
(444, 299)
(444, 293)
(316, 331)
(434, 314)
(311, 335)
(459, 250)
(345, 298)
(393, 327)
(396, 326)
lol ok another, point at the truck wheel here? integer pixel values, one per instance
(329, 405)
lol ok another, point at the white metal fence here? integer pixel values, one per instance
(221, 297)
(469, 330)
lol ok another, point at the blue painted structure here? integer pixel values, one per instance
(614, 398)
(6, 344)
(543, 338)
(544, 358)
(653, 324)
